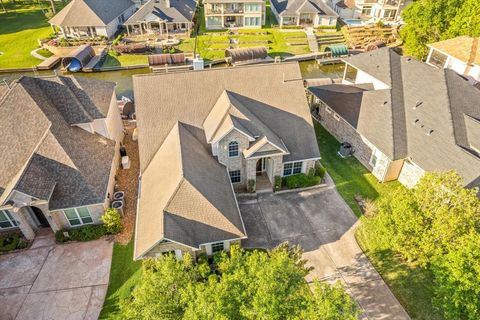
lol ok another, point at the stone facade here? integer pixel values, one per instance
(180, 249)
(363, 149)
(410, 174)
(233, 163)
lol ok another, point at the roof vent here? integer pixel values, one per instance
(417, 104)
(409, 59)
(416, 121)
(429, 133)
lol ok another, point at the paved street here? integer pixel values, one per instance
(50, 281)
(321, 222)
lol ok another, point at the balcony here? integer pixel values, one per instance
(213, 11)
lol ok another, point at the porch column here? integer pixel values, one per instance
(19, 215)
(128, 29)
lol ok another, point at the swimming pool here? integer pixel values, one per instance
(354, 22)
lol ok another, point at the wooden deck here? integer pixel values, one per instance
(49, 63)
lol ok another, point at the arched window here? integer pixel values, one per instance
(233, 149)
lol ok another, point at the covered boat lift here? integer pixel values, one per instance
(79, 58)
(337, 50)
(234, 56)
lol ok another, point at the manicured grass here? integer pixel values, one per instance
(45, 53)
(350, 176)
(124, 275)
(124, 60)
(413, 286)
(19, 32)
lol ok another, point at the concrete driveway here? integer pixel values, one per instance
(323, 225)
(50, 281)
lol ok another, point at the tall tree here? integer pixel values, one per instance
(466, 21)
(246, 285)
(427, 21)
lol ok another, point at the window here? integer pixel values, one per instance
(336, 117)
(214, 21)
(252, 21)
(328, 109)
(233, 149)
(6, 220)
(374, 158)
(252, 7)
(78, 216)
(235, 176)
(438, 59)
(217, 247)
(351, 74)
(292, 168)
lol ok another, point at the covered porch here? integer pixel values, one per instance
(157, 27)
(75, 32)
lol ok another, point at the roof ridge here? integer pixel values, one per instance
(61, 78)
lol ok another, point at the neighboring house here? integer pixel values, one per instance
(92, 18)
(59, 145)
(461, 54)
(404, 117)
(162, 17)
(221, 14)
(312, 13)
(203, 134)
(366, 9)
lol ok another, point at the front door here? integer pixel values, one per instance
(260, 166)
(40, 218)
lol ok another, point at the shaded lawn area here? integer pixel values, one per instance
(269, 16)
(19, 32)
(124, 60)
(413, 286)
(350, 176)
(124, 275)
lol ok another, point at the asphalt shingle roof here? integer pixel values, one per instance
(47, 157)
(422, 115)
(95, 13)
(289, 7)
(179, 11)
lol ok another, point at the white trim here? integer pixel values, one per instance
(238, 208)
(79, 217)
(88, 205)
(250, 138)
(309, 159)
(238, 149)
(13, 225)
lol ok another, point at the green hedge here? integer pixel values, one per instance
(301, 181)
(11, 242)
(87, 233)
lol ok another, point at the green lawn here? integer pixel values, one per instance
(413, 286)
(19, 32)
(124, 60)
(124, 275)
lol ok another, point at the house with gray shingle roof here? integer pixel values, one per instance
(312, 13)
(403, 117)
(92, 18)
(59, 147)
(204, 135)
(162, 17)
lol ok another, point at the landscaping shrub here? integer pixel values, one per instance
(131, 48)
(251, 185)
(319, 170)
(87, 233)
(117, 39)
(301, 181)
(278, 183)
(112, 221)
(9, 242)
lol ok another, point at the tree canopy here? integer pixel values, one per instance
(242, 285)
(429, 21)
(437, 225)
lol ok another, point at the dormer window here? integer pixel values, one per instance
(233, 149)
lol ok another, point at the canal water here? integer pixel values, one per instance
(123, 78)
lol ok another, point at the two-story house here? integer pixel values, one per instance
(403, 117)
(306, 13)
(59, 150)
(366, 9)
(204, 134)
(461, 54)
(220, 14)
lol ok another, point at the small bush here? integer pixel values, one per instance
(319, 170)
(9, 242)
(278, 183)
(251, 185)
(131, 48)
(112, 221)
(87, 233)
(118, 39)
(301, 181)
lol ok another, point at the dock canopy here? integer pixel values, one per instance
(245, 54)
(337, 50)
(166, 58)
(79, 58)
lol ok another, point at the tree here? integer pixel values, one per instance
(330, 303)
(427, 21)
(466, 21)
(427, 221)
(457, 274)
(245, 285)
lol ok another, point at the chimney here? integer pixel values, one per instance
(167, 3)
